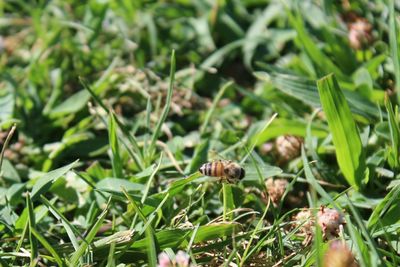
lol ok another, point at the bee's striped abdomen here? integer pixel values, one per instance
(215, 169)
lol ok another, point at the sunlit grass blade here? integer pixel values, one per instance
(5, 145)
(32, 225)
(44, 183)
(349, 151)
(228, 201)
(394, 45)
(90, 236)
(164, 113)
(394, 134)
(115, 150)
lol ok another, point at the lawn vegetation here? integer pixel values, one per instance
(109, 108)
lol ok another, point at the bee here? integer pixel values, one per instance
(225, 170)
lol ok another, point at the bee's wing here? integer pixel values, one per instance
(265, 171)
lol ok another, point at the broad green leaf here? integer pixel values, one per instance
(44, 182)
(281, 126)
(345, 136)
(115, 184)
(306, 91)
(215, 231)
(165, 239)
(72, 104)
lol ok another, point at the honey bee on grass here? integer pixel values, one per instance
(225, 170)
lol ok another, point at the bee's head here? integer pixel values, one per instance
(242, 173)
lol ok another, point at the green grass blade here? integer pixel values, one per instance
(69, 228)
(90, 236)
(115, 150)
(48, 247)
(375, 258)
(313, 181)
(149, 232)
(5, 145)
(44, 183)
(228, 201)
(347, 141)
(311, 48)
(167, 106)
(111, 256)
(394, 46)
(32, 225)
(387, 212)
(138, 155)
(394, 134)
(211, 111)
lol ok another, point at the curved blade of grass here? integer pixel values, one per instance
(254, 140)
(306, 91)
(113, 139)
(167, 106)
(69, 228)
(5, 145)
(44, 183)
(90, 236)
(218, 56)
(283, 126)
(345, 136)
(311, 48)
(387, 211)
(31, 225)
(48, 247)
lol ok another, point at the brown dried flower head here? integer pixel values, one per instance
(329, 220)
(304, 219)
(338, 255)
(288, 147)
(276, 188)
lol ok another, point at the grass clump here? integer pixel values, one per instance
(109, 108)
